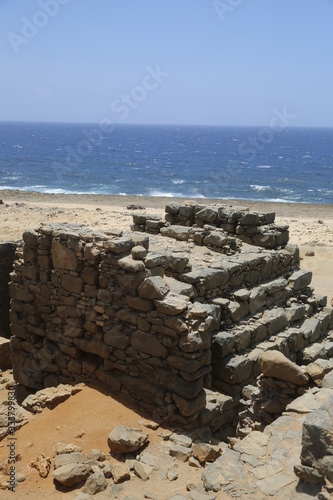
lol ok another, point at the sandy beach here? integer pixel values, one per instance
(311, 226)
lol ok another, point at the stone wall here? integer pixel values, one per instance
(214, 225)
(87, 306)
(7, 257)
(176, 325)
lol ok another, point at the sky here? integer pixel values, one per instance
(190, 62)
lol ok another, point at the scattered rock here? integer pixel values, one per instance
(212, 478)
(126, 440)
(50, 397)
(107, 469)
(120, 473)
(42, 464)
(180, 452)
(143, 471)
(66, 448)
(71, 474)
(135, 207)
(205, 452)
(19, 477)
(96, 455)
(150, 424)
(69, 458)
(172, 475)
(148, 459)
(181, 439)
(193, 462)
(95, 483)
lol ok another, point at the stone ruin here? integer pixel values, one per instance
(174, 314)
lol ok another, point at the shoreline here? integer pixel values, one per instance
(282, 209)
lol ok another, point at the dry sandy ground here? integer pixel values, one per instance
(85, 420)
(92, 414)
(311, 226)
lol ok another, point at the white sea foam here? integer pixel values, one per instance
(264, 166)
(157, 192)
(280, 200)
(256, 187)
(287, 191)
(177, 181)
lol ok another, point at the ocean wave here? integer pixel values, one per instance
(264, 166)
(177, 181)
(280, 200)
(45, 190)
(287, 191)
(256, 187)
(168, 194)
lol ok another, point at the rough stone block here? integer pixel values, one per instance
(131, 265)
(250, 219)
(235, 369)
(300, 279)
(148, 343)
(189, 407)
(223, 344)
(317, 443)
(216, 239)
(154, 287)
(138, 303)
(72, 283)
(63, 257)
(172, 304)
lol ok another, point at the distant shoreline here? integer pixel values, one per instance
(282, 209)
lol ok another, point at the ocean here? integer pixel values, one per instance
(253, 163)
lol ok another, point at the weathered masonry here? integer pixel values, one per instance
(7, 256)
(176, 320)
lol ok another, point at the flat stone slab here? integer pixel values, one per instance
(271, 485)
(310, 401)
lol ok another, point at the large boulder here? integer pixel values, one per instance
(71, 474)
(275, 364)
(126, 440)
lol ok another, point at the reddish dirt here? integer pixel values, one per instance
(92, 415)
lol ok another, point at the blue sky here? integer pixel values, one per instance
(210, 62)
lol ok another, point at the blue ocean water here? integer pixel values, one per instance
(290, 164)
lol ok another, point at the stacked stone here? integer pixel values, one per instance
(250, 227)
(149, 223)
(264, 403)
(151, 323)
(212, 226)
(7, 255)
(280, 382)
(244, 270)
(86, 306)
(292, 326)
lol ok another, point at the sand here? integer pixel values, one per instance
(311, 226)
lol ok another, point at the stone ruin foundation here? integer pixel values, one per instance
(174, 314)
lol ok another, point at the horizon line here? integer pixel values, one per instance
(159, 124)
